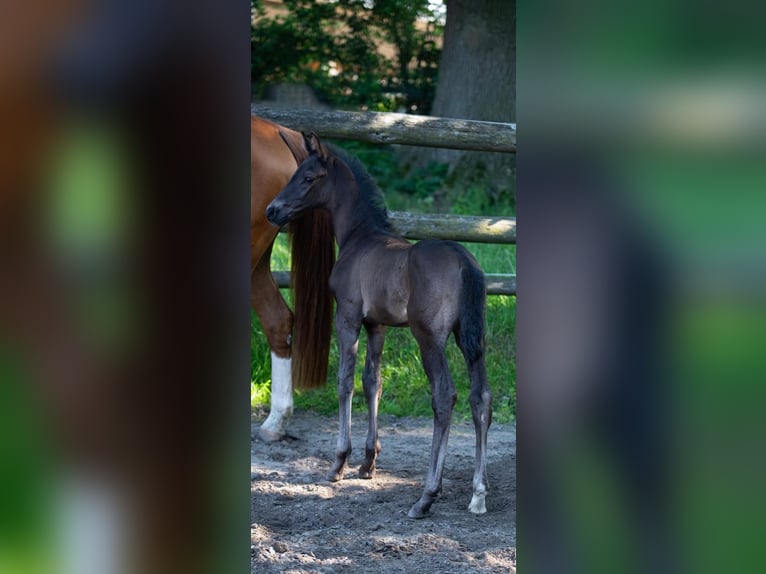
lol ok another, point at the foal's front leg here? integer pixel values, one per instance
(347, 328)
(372, 389)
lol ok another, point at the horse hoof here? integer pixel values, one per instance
(335, 475)
(268, 436)
(417, 511)
(367, 474)
(477, 506)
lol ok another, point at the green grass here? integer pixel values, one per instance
(406, 389)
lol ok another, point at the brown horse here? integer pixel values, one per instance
(275, 153)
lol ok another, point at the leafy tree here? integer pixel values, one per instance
(333, 47)
(306, 46)
(417, 55)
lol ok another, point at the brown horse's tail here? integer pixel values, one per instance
(313, 256)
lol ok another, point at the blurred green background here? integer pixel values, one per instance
(667, 98)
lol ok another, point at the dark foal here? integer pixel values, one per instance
(379, 280)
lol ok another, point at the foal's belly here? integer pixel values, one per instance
(394, 315)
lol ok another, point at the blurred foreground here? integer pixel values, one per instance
(123, 287)
(642, 301)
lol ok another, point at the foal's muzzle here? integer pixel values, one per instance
(277, 215)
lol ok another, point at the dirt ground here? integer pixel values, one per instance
(303, 524)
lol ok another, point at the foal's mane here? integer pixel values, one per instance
(369, 192)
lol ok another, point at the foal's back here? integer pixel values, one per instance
(401, 284)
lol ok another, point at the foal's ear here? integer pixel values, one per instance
(315, 146)
(308, 141)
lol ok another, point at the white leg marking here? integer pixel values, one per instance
(91, 523)
(477, 505)
(273, 427)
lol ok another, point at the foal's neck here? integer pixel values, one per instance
(350, 211)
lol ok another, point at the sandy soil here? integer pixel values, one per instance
(302, 523)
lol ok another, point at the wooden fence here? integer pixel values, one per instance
(391, 128)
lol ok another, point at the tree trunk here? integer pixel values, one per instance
(477, 74)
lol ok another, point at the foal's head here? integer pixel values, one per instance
(311, 185)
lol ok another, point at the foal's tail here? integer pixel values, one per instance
(470, 332)
(470, 338)
(313, 256)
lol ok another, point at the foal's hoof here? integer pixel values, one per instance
(269, 436)
(335, 475)
(419, 510)
(478, 504)
(367, 474)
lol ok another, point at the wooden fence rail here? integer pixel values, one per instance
(497, 283)
(475, 229)
(391, 128)
(470, 228)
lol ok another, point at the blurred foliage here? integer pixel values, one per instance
(333, 47)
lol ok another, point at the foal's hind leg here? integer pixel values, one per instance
(347, 327)
(442, 401)
(481, 409)
(372, 389)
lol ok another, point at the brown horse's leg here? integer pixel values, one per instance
(443, 401)
(277, 321)
(275, 315)
(347, 325)
(372, 389)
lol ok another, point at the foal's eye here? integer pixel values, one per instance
(308, 179)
